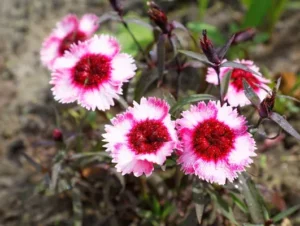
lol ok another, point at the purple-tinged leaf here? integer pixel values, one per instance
(197, 56)
(238, 65)
(283, 123)
(178, 25)
(108, 16)
(173, 41)
(139, 22)
(145, 81)
(250, 94)
(161, 58)
(225, 48)
(194, 64)
(225, 83)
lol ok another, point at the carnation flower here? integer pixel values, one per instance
(92, 73)
(142, 136)
(215, 144)
(70, 30)
(235, 94)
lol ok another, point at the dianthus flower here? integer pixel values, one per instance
(92, 73)
(215, 144)
(235, 94)
(141, 137)
(70, 30)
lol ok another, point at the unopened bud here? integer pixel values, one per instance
(208, 49)
(244, 36)
(267, 105)
(117, 6)
(158, 17)
(57, 135)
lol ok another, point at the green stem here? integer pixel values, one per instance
(125, 24)
(252, 198)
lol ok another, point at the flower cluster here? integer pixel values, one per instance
(211, 140)
(89, 70)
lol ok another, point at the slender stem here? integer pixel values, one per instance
(123, 103)
(178, 70)
(217, 69)
(252, 198)
(125, 24)
(37, 166)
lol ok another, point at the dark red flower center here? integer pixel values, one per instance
(72, 38)
(92, 70)
(237, 77)
(213, 140)
(148, 136)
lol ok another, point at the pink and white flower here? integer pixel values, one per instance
(215, 144)
(235, 94)
(92, 73)
(142, 136)
(70, 30)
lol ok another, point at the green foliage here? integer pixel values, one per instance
(202, 6)
(264, 13)
(212, 32)
(158, 212)
(191, 99)
(285, 213)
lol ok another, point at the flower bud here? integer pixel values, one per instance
(158, 17)
(267, 105)
(208, 49)
(244, 36)
(57, 135)
(116, 4)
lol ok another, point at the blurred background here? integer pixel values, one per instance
(28, 113)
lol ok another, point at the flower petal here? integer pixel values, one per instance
(89, 24)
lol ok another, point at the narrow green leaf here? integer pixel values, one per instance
(167, 96)
(77, 207)
(199, 211)
(252, 197)
(288, 97)
(191, 99)
(197, 56)
(56, 168)
(285, 213)
(226, 210)
(239, 203)
(200, 198)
